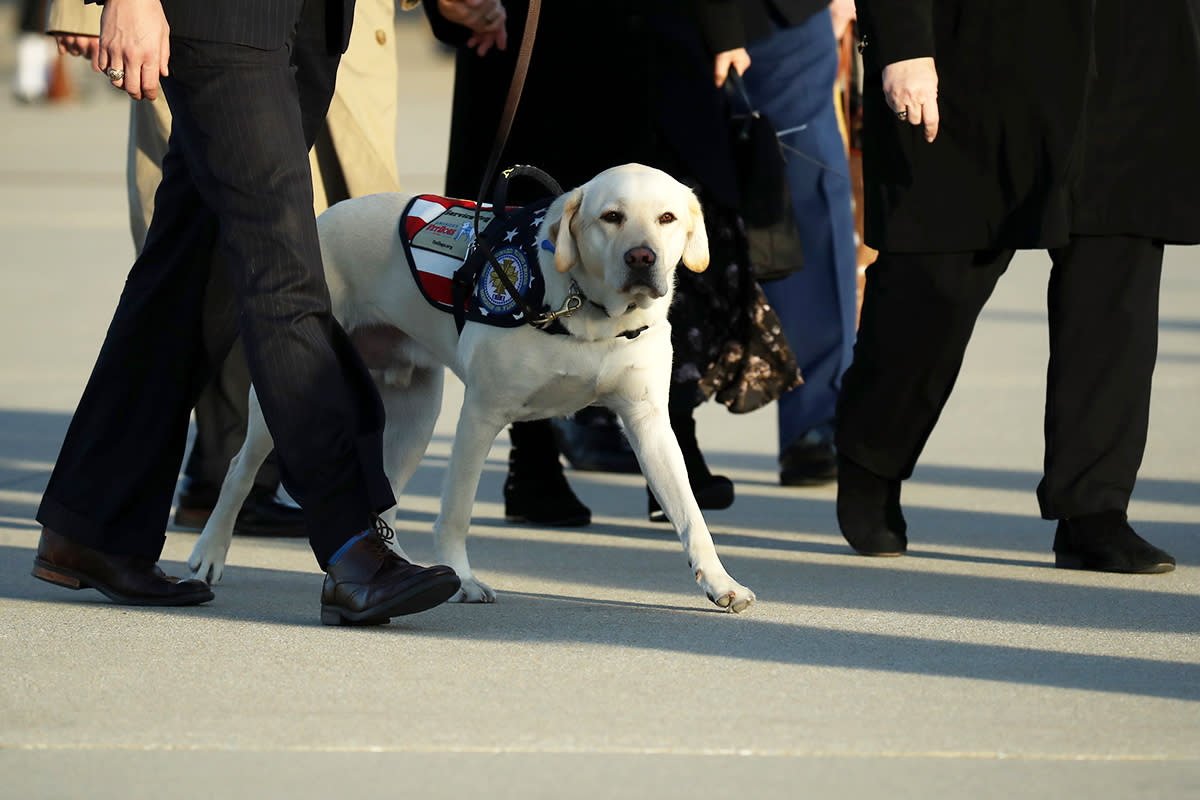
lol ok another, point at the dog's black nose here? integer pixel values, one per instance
(640, 258)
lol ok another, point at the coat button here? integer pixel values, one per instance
(381, 36)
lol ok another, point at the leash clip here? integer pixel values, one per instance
(572, 304)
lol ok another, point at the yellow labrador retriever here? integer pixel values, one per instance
(608, 255)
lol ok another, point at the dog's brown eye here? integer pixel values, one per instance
(615, 217)
(666, 217)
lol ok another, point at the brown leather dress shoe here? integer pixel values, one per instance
(129, 580)
(370, 584)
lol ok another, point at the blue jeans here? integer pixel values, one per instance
(791, 80)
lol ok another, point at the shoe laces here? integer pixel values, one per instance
(381, 536)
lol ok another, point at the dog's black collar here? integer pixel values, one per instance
(556, 327)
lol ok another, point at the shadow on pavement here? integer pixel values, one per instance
(286, 597)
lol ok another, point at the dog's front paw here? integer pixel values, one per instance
(473, 591)
(726, 592)
(207, 562)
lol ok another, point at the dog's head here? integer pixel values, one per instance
(623, 233)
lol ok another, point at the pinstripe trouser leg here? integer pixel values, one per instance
(236, 195)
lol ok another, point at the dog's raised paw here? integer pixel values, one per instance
(734, 601)
(733, 597)
(737, 602)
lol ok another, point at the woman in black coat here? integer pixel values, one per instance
(992, 127)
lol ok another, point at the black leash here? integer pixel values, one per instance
(510, 104)
(465, 277)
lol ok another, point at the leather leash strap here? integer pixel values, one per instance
(459, 289)
(514, 97)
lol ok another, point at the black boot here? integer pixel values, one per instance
(810, 459)
(712, 491)
(536, 491)
(1105, 542)
(868, 511)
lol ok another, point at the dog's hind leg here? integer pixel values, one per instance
(411, 412)
(472, 440)
(658, 452)
(207, 560)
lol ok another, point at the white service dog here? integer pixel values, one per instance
(611, 248)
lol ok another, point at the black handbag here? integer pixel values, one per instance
(766, 200)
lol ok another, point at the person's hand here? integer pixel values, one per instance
(910, 88)
(482, 42)
(77, 44)
(485, 18)
(134, 39)
(843, 12)
(737, 59)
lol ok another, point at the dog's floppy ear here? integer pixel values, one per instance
(695, 252)
(563, 213)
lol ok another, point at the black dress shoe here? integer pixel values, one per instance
(129, 580)
(1105, 542)
(536, 490)
(868, 511)
(261, 513)
(592, 440)
(370, 584)
(810, 460)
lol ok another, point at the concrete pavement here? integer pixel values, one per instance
(970, 668)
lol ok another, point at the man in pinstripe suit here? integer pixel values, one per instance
(355, 154)
(248, 84)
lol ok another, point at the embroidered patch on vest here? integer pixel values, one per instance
(437, 232)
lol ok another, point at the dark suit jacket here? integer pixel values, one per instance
(264, 24)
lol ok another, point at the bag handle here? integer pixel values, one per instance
(734, 79)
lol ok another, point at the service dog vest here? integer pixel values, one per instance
(437, 233)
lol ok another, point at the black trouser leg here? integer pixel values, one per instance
(1103, 300)
(236, 192)
(114, 478)
(222, 412)
(319, 402)
(919, 310)
(222, 409)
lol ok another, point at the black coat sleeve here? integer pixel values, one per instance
(720, 24)
(895, 30)
(445, 31)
